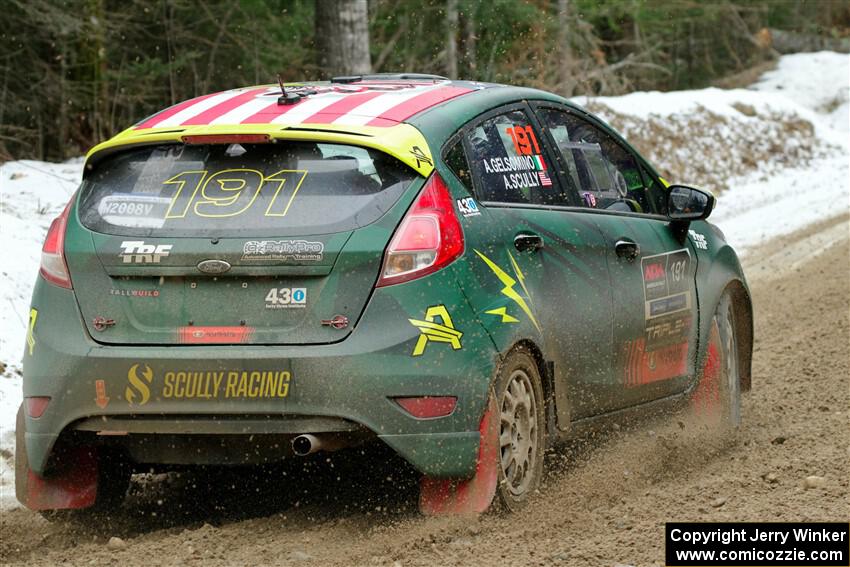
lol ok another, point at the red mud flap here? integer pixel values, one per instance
(442, 496)
(705, 400)
(73, 486)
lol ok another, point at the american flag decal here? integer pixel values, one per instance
(544, 179)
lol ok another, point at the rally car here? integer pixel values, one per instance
(465, 272)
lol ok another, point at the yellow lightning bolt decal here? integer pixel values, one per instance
(509, 291)
(503, 313)
(521, 277)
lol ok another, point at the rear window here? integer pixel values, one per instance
(290, 188)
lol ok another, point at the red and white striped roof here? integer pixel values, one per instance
(373, 103)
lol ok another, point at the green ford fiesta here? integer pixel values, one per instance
(465, 272)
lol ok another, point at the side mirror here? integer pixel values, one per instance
(687, 203)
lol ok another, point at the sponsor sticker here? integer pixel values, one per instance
(134, 292)
(189, 384)
(436, 327)
(233, 384)
(698, 240)
(137, 252)
(286, 298)
(139, 380)
(667, 299)
(283, 250)
(468, 207)
(137, 211)
(214, 335)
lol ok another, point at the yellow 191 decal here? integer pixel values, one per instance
(444, 332)
(231, 192)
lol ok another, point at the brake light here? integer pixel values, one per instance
(227, 139)
(53, 266)
(429, 237)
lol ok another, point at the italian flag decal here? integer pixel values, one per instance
(540, 165)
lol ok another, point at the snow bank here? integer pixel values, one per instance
(32, 194)
(776, 154)
(779, 151)
(826, 92)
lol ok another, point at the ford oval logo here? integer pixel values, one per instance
(213, 266)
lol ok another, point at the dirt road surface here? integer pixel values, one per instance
(606, 497)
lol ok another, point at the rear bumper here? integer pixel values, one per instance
(187, 387)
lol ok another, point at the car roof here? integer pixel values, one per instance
(366, 102)
(378, 111)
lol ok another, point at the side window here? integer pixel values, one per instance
(507, 162)
(656, 192)
(455, 158)
(604, 173)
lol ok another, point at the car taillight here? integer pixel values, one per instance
(428, 238)
(53, 266)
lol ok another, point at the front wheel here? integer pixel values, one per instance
(519, 398)
(717, 398)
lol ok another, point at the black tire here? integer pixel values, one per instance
(730, 382)
(522, 434)
(717, 398)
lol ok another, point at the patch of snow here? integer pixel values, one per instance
(32, 194)
(819, 81)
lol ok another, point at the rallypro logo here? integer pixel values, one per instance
(137, 252)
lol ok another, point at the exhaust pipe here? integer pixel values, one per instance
(308, 443)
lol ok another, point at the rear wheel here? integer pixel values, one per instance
(519, 398)
(717, 398)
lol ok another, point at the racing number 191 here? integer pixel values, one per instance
(231, 192)
(677, 270)
(524, 140)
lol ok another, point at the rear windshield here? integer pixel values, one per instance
(289, 188)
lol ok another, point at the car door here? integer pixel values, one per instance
(534, 260)
(652, 268)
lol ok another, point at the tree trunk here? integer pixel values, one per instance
(342, 37)
(566, 69)
(470, 42)
(451, 39)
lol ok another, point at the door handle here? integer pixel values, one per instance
(627, 248)
(524, 242)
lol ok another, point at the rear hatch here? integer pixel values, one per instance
(259, 243)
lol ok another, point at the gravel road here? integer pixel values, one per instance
(606, 497)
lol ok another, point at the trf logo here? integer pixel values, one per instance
(136, 251)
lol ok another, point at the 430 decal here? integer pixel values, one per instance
(231, 192)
